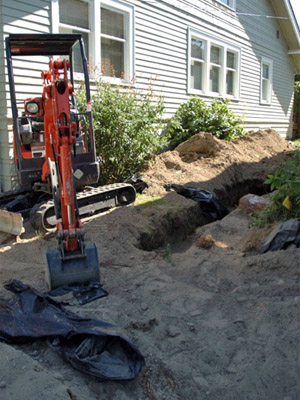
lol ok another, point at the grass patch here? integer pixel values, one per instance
(296, 141)
(167, 254)
(143, 200)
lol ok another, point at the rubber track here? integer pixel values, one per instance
(111, 194)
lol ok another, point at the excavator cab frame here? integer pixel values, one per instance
(29, 164)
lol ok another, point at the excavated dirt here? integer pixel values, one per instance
(214, 318)
(216, 164)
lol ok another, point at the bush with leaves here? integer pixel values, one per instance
(297, 96)
(297, 105)
(285, 201)
(127, 128)
(195, 116)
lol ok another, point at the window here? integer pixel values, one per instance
(229, 3)
(75, 22)
(266, 81)
(107, 29)
(213, 66)
(215, 69)
(113, 41)
(231, 72)
(198, 63)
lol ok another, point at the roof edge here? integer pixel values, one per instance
(293, 19)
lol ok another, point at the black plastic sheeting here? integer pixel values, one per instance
(210, 203)
(91, 346)
(83, 293)
(285, 235)
(138, 183)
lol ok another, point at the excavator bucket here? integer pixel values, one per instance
(74, 268)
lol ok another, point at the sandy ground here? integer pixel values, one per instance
(213, 317)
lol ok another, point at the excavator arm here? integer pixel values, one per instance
(73, 260)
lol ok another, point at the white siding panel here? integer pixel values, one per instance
(14, 14)
(26, 16)
(28, 7)
(25, 27)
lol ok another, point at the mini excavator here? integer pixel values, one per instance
(54, 149)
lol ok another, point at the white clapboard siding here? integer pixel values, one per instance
(25, 16)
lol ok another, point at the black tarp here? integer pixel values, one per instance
(92, 346)
(284, 235)
(138, 183)
(209, 202)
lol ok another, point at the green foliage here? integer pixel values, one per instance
(286, 183)
(297, 96)
(296, 142)
(195, 116)
(296, 109)
(167, 254)
(126, 124)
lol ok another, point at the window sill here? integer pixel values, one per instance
(115, 81)
(195, 92)
(78, 76)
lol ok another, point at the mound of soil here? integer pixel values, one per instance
(217, 164)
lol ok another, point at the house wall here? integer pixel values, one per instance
(27, 16)
(266, 39)
(161, 39)
(161, 53)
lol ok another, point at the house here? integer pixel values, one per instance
(246, 51)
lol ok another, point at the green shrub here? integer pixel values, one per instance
(195, 116)
(296, 109)
(297, 96)
(127, 128)
(285, 201)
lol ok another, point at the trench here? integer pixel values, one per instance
(175, 226)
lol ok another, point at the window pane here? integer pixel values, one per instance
(74, 12)
(215, 55)
(112, 57)
(196, 75)
(112, 23)
(230, 59)
(265, 72)
(77, 63)
(226, 2)
(266, 90)
(230, 82)
(197, 48)
(214, 79)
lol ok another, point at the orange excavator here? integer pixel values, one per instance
(55, 153)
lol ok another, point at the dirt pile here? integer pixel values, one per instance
(216, 164)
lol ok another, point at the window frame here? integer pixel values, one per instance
(231, 5)
(94, 32)
(269, 63)
(224, 48)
